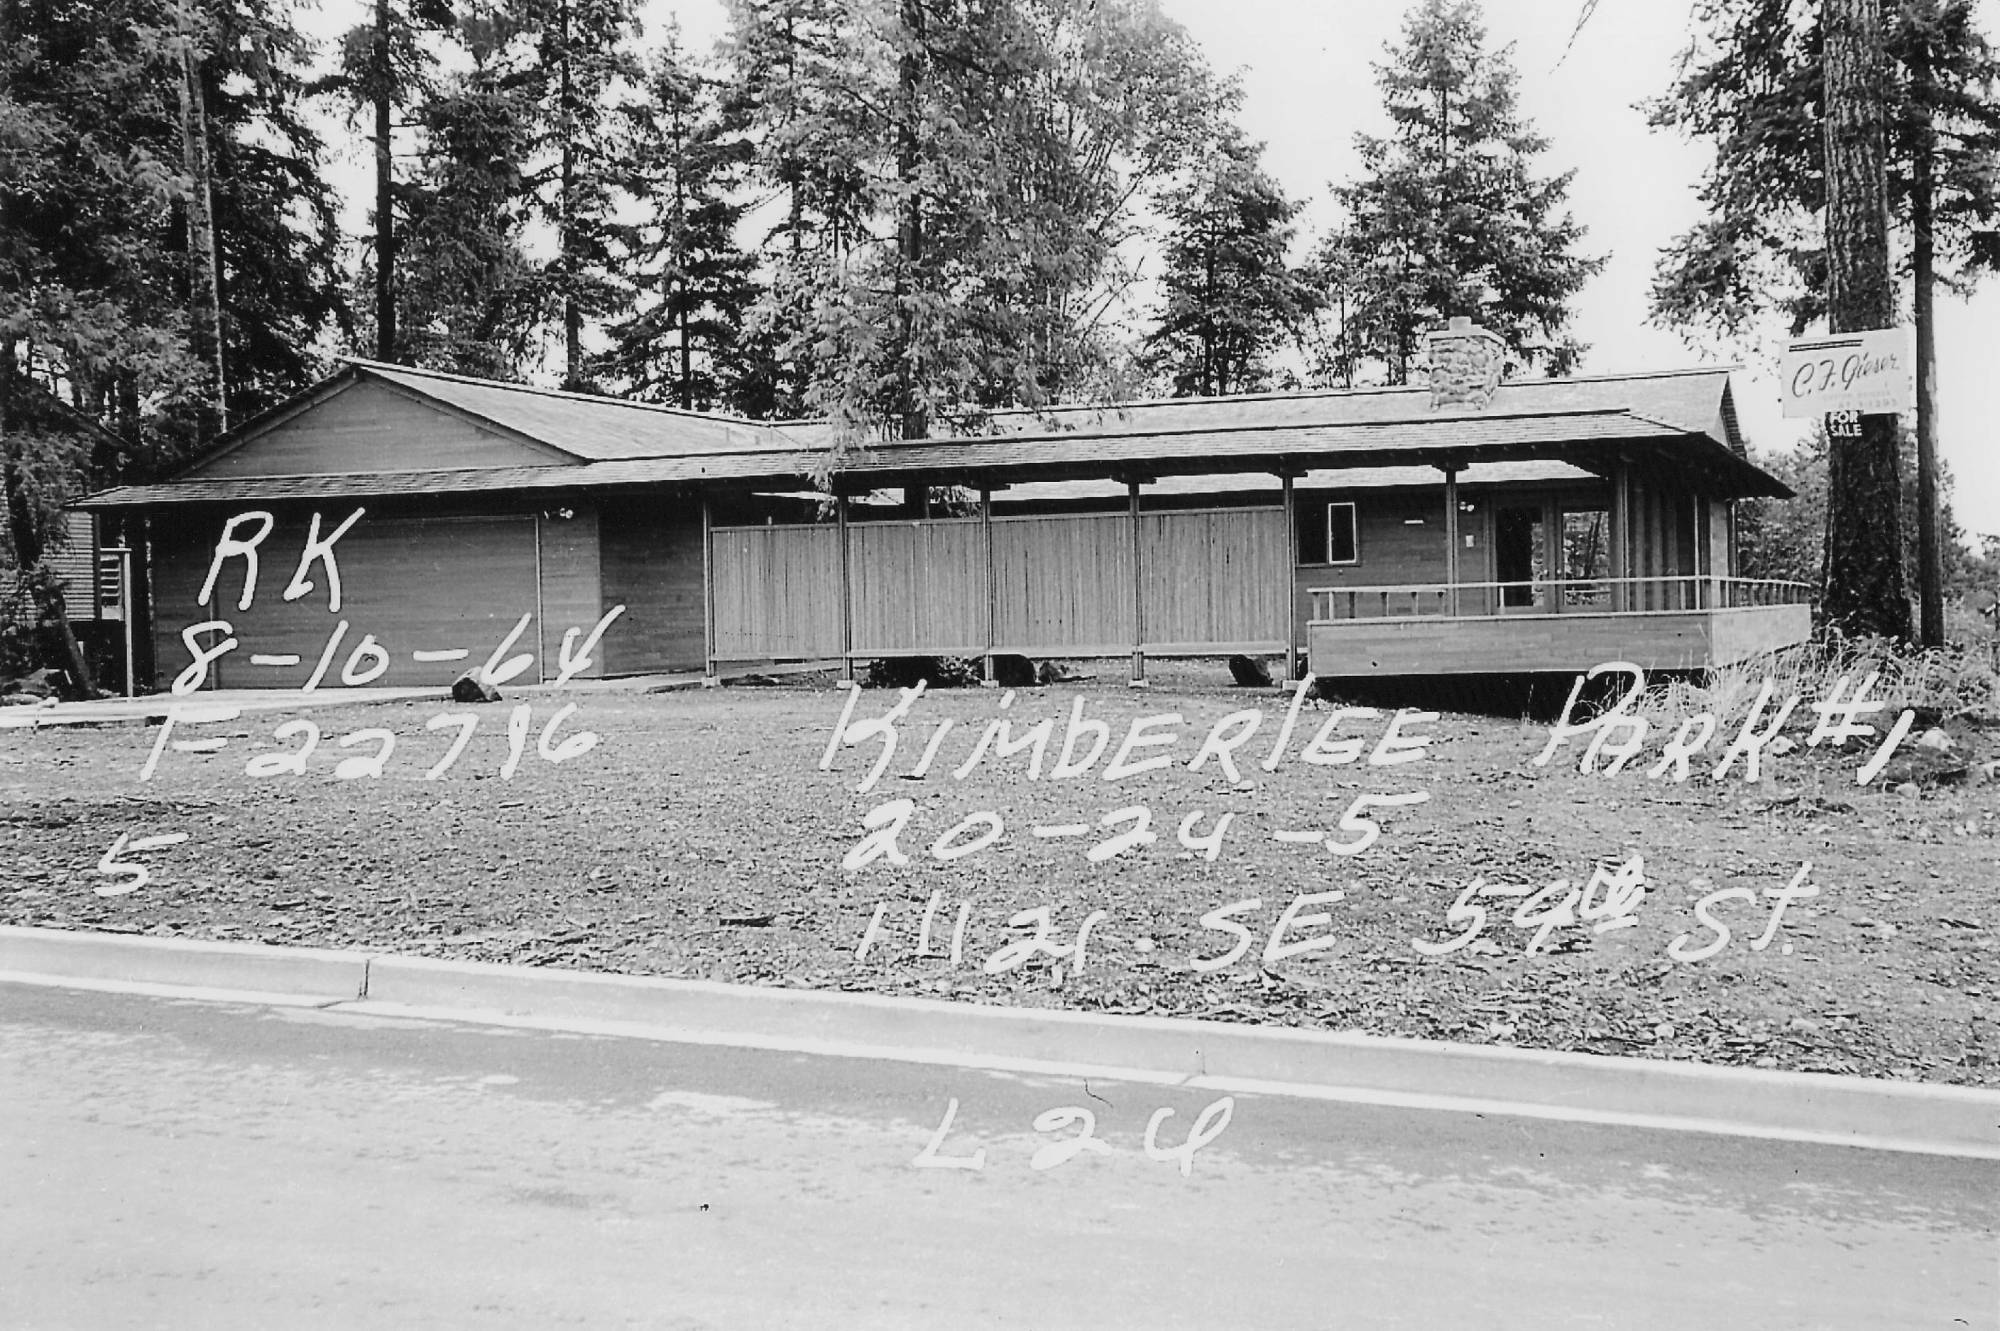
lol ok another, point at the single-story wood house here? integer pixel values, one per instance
(1465, 526)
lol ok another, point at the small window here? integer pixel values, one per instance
(1341, 545)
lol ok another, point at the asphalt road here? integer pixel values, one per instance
(168, 1163)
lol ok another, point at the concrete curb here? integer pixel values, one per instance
(302, 972)
(1797, 1106)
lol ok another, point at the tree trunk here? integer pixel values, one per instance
(682, 305)
(572, 312)
(1923, 186)
(385, 208)
(1865, 592)
(915, 420)
(204, 272)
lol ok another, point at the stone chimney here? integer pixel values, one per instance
(1466, 361)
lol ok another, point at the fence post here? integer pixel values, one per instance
(708, 678)
(1290, 565)
(992, 591)
(846, 594)
(1138, 679)
(1621, 533)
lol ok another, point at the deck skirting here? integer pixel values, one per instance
(1520, 643)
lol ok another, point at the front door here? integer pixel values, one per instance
(1517, 555)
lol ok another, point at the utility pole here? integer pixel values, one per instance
(1865, 591)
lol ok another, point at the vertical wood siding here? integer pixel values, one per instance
(412, 584)
(777, 592)
(650, 556)
(571, 585)
(919, 587)
(1063, 582)
(1215, 576)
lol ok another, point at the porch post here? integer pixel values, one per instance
(1290, 565)
(125, 608)
(992, 591)
(1704, 552)
(1621, 532)
(1552, 551)
(846, 594)
(1451, 536)
(708, 677)
(1138, 680)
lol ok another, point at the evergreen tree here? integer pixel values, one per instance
(1119, 106)
(1330, 356)
(693, 282)
(470, 299)
(958, 177)
(1449, 217)
(583, 57)
(1230, 295)
(102, 110)
(99, 297)
(1754, 85)
(800, 78)
(277, 232)
(384, 70)
(1865, 589)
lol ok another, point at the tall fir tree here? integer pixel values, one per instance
(584, 64)
(1753, 84)
(385, 67)
(692, 281)
(276, 218)
(1230, 296)
(1449, 217)
(1864, 590)
(470, 298)
(797, 78)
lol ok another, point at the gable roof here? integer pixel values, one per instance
(1679, 418)
(589, 426)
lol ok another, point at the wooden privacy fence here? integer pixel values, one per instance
(1063, 583)
(1207, 580)
(775, 592)
(918, 587)
(1216, 578)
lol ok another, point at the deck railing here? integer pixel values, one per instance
(1551, 596)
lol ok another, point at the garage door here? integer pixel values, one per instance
(424, 600)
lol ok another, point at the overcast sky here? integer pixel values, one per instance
(1305, 69)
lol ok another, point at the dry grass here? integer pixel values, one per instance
(1956, 682)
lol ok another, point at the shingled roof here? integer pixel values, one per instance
(1682, 418)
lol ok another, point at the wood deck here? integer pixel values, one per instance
(1517, 643)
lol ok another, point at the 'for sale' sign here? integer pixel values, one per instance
(1872, 371)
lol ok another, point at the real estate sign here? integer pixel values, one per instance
(1872, 371)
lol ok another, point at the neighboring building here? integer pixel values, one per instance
(1464, 527)
(90, 575)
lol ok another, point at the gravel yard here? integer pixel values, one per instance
(699, 837)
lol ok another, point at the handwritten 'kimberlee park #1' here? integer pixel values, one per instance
(1464, 527)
